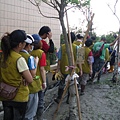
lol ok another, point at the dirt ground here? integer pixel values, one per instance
(100, 102)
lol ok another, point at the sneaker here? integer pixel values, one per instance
(57, 100)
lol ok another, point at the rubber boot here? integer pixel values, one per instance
(67, 101)
(108, 69)
(39, 114)
(111, 69)
(82, 89)
(60, 92)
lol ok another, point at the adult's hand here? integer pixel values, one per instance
(49, 35)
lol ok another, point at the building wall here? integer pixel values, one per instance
(21, 14)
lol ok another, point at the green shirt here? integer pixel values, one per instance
(97, 47)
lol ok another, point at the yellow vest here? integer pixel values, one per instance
(38, 53)
(11, 76)
(64, 59)
(91, 47)
(34, 87)
(107, 55)
(47, 67)
(85, 66)
(77, 43)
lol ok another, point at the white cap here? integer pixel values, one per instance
(29, 39)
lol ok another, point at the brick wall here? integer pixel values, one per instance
(21, 14)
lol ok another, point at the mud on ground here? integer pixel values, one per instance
(100, 102)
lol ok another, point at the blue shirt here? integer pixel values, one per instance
(31, 61)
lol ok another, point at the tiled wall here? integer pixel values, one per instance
(21, 14)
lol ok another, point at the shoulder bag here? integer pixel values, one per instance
(7, 91)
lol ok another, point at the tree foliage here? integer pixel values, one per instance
(110, 37)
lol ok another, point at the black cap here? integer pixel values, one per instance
(88, 42)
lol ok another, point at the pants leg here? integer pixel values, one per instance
(61, 88)
(32, 106)
(8, 113)
(94, 69)
(40, 108)
(47, 82)
(93, 75)
(14, 110)
(60, 92)
(101, 63)
(98, 64)
(41, 99)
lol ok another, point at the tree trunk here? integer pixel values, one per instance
(73, 108)
(66, 41)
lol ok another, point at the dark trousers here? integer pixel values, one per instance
(14, 110)
(41, 100)
(40, 108)
(112, 61)
(61, 87)
(97, 65)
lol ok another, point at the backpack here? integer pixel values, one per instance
(98, 53)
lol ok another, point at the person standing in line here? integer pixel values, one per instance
(79, 40)
(79, 43)
(45, 32)
(87, 65)
(112, 59)
(62, 62)
(40, 72)
(93, 38)
(34, 87)
(14, 71)
(107, 57)
(99, 61)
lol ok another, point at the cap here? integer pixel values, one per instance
(79, 36)
(88, 42)
(29, 39)
(36, 38)
(18, 36)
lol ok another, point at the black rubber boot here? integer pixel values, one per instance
(39, 114)
(67, 101)
(60, 92)
(82, 89)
